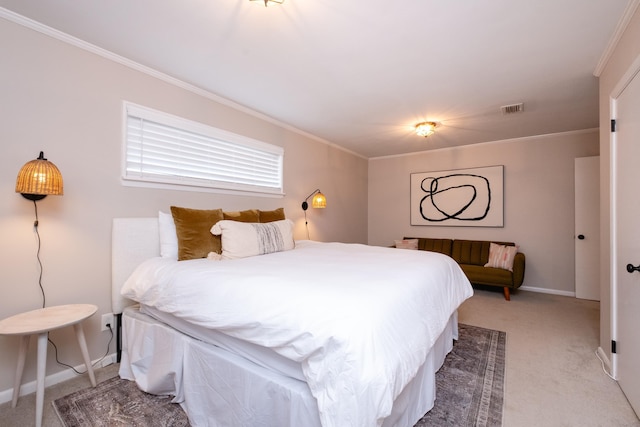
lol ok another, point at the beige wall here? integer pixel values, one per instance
(538, 196)
(68, 102)
(626, 52)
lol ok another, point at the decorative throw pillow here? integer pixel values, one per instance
(192, 231)
(245, 239)
(167, 234)
(250, 215)
(407, 244)
(501, 256)
(270, 216)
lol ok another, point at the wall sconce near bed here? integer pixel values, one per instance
(36, 180)
(318, 201)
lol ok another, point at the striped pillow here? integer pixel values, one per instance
(245, 239)
(501, 256)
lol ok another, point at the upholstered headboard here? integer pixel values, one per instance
(133, 240)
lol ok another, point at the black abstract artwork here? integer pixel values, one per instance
(471, 197)
(437, 189)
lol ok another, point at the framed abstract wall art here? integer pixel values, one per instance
(461, 197)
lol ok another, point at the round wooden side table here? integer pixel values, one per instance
(40, 322)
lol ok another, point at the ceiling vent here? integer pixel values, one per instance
(512, 109)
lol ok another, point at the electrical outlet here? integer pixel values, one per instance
(107, 319)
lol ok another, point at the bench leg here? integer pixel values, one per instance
(507, 296)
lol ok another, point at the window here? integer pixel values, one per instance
(164, 150)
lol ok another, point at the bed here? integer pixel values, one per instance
(325, 334)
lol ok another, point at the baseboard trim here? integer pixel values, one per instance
(547, 291)
(58, 377)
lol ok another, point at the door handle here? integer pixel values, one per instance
(581, 236)
(631, 268)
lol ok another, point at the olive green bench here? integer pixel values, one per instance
(472, 255)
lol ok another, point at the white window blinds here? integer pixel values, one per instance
(164, 149)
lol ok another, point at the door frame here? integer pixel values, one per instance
(622, 84)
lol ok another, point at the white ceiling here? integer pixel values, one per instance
(361, 73)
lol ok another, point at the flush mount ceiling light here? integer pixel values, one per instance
(425, 128)
(266, 2)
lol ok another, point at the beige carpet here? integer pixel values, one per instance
(553, 377)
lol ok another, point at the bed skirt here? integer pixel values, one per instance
(218, 388)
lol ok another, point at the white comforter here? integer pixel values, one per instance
(360, 319)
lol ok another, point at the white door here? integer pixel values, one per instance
(626, 178)
(587, 227)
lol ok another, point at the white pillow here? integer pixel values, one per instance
(168, 236)
(501, 256)
(245, 239)
(406, 244)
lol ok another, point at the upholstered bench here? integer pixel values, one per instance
(473, 258)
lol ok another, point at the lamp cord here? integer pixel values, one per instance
(35, 227)
(306, 224)
(93, 364)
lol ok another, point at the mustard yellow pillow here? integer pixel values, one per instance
(250, 215)
(270, 216)
(192, 229)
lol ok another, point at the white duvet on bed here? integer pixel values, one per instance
(360, 319)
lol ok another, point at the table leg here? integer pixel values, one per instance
(42, 366)
(85, 353)
(22, 355)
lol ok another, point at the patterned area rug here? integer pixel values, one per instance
(118, 403)
(470, 384)
(469, 392)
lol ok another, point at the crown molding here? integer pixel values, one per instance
(632, 6)
(81, 44)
